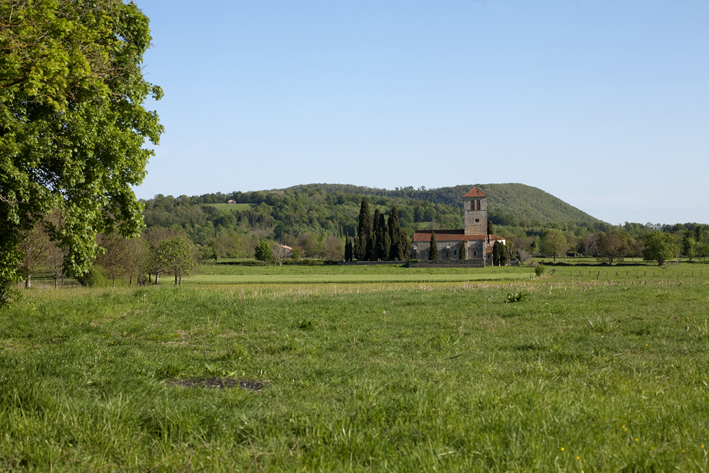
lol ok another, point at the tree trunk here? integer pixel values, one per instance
(175, 278)
(180, 280)
(157, 276)
(114, 282)
(150, 278)
(28, 281)
(130, 281)
(55, 283)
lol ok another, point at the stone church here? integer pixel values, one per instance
(478, 244)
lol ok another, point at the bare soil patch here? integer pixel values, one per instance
(218, 383)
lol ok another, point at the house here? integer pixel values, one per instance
(478, 243)
(231, 202)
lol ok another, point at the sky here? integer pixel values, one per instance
(604, 104)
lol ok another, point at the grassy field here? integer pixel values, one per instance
(606, 374)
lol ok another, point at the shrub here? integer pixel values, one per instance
(539, 270)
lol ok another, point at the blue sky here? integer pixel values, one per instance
(604, 104)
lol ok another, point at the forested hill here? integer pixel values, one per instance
(521, 202)
(333, 209)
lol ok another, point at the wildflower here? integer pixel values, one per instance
(636, 440)
(578, 458)
(562, 449)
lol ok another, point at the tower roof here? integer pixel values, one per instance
(475, 192)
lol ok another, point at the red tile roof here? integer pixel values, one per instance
(475, 192)
(451, 235)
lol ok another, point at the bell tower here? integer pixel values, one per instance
(475, 212)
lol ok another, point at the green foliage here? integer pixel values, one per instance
(553, 243)
(512, 298)
(176, 256)
(72, 125)
(396, 251)
(363, 251)
(659, 247)
(462, 250)
(94, 277)
(539, 269)
(433, 248)
(490, 228)
(263, 251)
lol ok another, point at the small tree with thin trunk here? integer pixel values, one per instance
(115, 257)
(176, 256)
(433, 250)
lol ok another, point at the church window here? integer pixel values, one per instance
(478, 205)
(477, 220)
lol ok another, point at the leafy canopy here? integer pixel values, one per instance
(72, 124)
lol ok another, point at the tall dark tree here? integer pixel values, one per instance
(490, 228)
(405, 244)
(382, 245)
(376, 243)
(348, 249)
(433, 250)
(397, 250)
(363, 249)
(462, 250)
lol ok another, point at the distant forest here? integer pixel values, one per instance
(303, 216)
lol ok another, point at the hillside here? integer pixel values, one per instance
(521, 202)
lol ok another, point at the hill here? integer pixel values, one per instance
(520, 202)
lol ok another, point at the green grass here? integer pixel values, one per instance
(321, 274)
(607, 375)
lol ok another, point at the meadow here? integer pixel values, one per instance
(589, 371)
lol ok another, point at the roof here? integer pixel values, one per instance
(475, 192)
(451, 235)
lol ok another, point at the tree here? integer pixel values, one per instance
(490, 228)
(176, 255)
(377, 239)
(33, 251)
(462, 250)
(154, 237)
(348, 249)
(363, 249)
(553, 243)
(263, 251)
(278, 252)
(689, 246)
(405, 244)
(499, 254)
(138, 253)
(433, 248)
(397, 249)
(658, 247)
(611, 248)
(382, 244)
(332, 248)
(72, 125)
(115, 257)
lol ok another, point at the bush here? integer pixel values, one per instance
(94, 277)
(539, 270)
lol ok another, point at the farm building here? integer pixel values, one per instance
(478, 243)
(231, 202)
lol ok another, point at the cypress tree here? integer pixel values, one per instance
(348, 249)
(387, 245)
(382, 246)
(462, 250)
(397, 250)
(376, 243)
(363, 249)
(490, 228)
(433, 250)
(406, 244)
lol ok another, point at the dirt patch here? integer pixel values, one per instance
(218, 383)
(176, 344)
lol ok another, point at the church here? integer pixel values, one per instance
(478, 243)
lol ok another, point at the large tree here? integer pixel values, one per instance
(611, 248)
(394, 229)
(72, 124)
(553, 243)
(363, 246)
(659, 247)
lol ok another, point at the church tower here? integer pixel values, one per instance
(475, 211)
